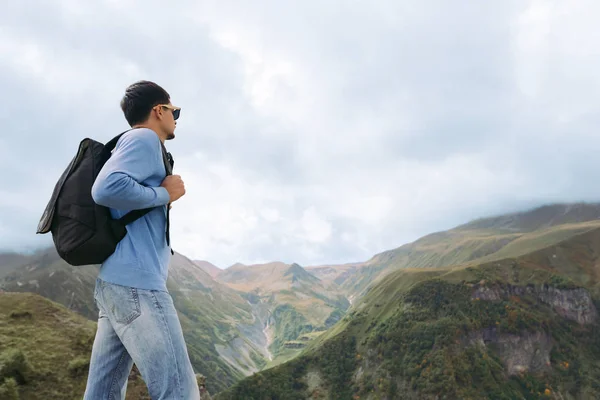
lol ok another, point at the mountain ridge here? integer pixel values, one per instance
(208, 267)
(476, 240)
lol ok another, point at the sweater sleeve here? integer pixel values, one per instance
(118, 183)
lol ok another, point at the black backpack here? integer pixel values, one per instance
(84, 232)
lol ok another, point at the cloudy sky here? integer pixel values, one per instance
(312, 131)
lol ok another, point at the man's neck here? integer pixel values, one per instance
(149, 126)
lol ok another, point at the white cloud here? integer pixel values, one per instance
(316, 229)
(314, 133)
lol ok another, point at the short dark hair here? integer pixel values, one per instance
(139, 99)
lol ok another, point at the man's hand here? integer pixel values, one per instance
(174, 186)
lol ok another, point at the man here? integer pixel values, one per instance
(137, 322)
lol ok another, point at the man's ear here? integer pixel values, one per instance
(157, 111)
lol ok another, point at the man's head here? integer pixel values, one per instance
(145, 104)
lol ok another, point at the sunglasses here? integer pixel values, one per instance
(176, 110)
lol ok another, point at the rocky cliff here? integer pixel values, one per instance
(575, 304)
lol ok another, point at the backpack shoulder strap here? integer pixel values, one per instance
(136, 214)
(109, 146)
(167, 159)
(169, 162)
(133, 215)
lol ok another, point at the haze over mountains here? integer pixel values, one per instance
(248, 318)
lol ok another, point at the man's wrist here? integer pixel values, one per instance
(163, 195)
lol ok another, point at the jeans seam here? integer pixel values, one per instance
(179, 387)
(112, 384)
(138, 310)
(135, 313)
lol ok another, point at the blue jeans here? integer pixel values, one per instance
(142, 327)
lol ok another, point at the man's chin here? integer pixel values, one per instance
(171, 136)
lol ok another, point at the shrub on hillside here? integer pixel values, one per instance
(20, 314)
(9, 390)
(79, 366)
(84, 341)
(14, 364)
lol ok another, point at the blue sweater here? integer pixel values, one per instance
(130, 180)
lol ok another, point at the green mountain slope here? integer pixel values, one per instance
(45, 350)
(479, 241)
(213, 318)
(519, 327)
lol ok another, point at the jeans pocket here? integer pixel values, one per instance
(122, 303)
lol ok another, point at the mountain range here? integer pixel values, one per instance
(416, 320)
(498, 308)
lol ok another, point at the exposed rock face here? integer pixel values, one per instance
(527, 352)
(530, 351)
(573, 304)
(294, 345)
(314, 381)
(258, 332)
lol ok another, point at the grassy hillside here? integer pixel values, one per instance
(210, 312)
(45, 350)
(523, 327)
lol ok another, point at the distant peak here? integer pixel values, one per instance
(297, 272)
(237, 266)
